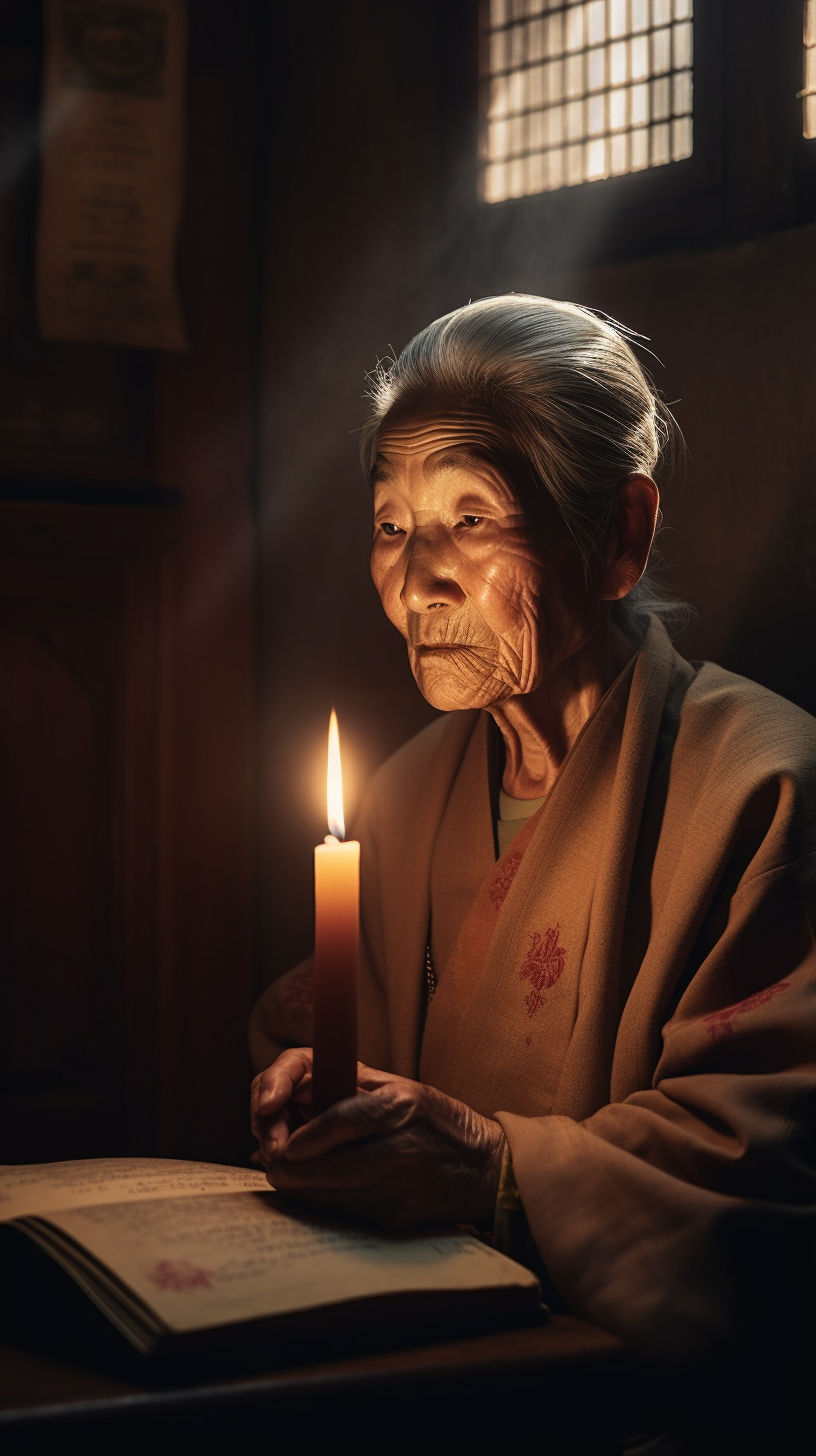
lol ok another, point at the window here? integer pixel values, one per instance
(574, 92)
(809, 92)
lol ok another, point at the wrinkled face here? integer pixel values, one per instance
(489, 598)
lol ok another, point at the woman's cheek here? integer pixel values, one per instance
(505, 603)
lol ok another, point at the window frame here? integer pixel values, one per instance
(752, 171)
(484, 74)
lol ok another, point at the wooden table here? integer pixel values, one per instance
(566, 1379)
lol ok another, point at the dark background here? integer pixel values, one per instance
(183, 587)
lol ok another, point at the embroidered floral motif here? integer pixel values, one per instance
(179, 1275)
(542, 967)
(503, 880)
(718, 1024)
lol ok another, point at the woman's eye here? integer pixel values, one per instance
(472, 520)
(388, 528)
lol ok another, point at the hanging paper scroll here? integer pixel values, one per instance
(112, 143)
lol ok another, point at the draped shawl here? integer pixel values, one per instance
(630, 989)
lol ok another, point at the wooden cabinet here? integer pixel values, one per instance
(80, 851)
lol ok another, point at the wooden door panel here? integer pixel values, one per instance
(78, 811)
(59, 990)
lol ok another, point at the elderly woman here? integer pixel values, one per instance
(588, 979)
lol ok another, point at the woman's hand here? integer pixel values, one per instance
(399, 1153)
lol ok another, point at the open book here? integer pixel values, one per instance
(182, 1257)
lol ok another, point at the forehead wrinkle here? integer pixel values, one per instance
(445, 460)
(461, 431)
(455, 457)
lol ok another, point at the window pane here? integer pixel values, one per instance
(619, 155)
(661, 99)
(536, 41)
(618, 63)
(575, 27)
(577, 90)
(596, 159)
(576, 170)
(639, 103)
(596, 69)
(537, 86)
(661, 144)
(681, 138)
(576, 126)
(640, 149)
(661, 51)
(640, 57)
(681, 46)
(617, 110)
(537, 133)
(681, 93)
(618, 19)
(597, 117)
(497, 50)
(596, 22)
(575, 75)
(555, 79)
(495, 189)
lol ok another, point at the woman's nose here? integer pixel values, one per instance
(430, 577)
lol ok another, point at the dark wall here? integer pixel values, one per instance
(736, 331)
(126, 663)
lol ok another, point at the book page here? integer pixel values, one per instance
(30, 1188)
(208, 1261)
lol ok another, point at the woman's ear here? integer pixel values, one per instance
(630, 537)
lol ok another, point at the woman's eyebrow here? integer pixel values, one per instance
(378, 471)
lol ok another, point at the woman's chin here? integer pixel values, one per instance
(456, 697)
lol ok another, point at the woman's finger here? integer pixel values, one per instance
(369, 1114)
(343, 1170)
(273, 1136)
(347, 1181)
(290, 1078)
(278, 1084)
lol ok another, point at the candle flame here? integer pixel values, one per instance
(334, 782)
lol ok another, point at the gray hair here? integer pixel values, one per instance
(564, 389)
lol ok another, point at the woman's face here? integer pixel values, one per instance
(489, 598)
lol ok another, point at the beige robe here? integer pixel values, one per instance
(634, 996)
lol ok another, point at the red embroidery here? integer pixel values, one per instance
(503, 881)
(543, 966)
(298, 997)
(718, 1024)
(180, 1276)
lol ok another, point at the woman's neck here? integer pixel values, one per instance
(540, 728)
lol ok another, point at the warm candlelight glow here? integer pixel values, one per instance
(334, 782)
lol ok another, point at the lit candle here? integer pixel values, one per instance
(337, 936)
